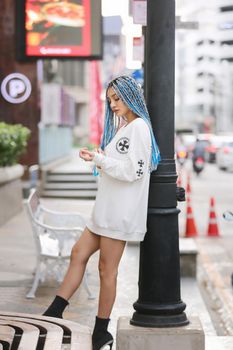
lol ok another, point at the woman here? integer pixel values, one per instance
(128, 154)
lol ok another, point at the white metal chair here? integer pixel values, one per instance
(55, 233)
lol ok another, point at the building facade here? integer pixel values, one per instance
(204, 66)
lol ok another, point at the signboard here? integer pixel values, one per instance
(16, 88)
(61, 111)
(138, 48)
(55, 29)
(140, 12)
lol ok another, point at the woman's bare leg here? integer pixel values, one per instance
(88, 244)
(111, 251)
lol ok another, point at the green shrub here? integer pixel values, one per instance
(13, 143)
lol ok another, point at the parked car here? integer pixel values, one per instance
(224, 156)
(216, 142)
(208, 141)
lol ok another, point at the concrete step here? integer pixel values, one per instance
(82, 194)
(70, 186)
(71, 183)
(188, 257)
(87, 177)
(69, 169)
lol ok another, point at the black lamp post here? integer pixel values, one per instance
(159, 303)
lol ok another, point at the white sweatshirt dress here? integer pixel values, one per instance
(120, 209)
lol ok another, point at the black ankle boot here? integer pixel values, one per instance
(101, 337)
(57, 307)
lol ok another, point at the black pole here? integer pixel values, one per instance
(159, 303)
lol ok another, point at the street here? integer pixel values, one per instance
(212, 182)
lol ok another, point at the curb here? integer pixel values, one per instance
(218, 294)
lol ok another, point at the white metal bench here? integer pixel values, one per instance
(6, 336)
(55, 233)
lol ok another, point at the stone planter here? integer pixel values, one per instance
(11, 198)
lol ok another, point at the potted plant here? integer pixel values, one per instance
(13, 143)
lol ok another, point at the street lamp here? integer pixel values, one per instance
(159, 303)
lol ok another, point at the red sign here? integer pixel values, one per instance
(96, 120)
(67, 28)
(138, 48)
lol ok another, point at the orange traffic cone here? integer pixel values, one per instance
(188, 186)
(213, 230)
(191, 230)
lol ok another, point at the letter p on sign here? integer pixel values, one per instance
(16, 88)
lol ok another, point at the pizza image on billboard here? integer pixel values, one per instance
(62, 28)
(65, 13)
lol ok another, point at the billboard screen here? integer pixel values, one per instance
(56, 29)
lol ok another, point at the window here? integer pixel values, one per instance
(227, 42)
(201, 58)
(226, 8)
(226, 25)
(228, 59)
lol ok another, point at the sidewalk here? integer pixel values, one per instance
(17, 261)
(215, 264)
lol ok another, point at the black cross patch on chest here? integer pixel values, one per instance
(122, 145)
(141, 163)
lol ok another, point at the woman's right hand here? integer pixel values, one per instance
(86, 155)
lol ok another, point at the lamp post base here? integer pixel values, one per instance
(159, 321)
(159, 315)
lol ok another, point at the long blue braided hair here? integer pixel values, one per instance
(128, 90)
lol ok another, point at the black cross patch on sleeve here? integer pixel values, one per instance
(139, 172)
(141, 163)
